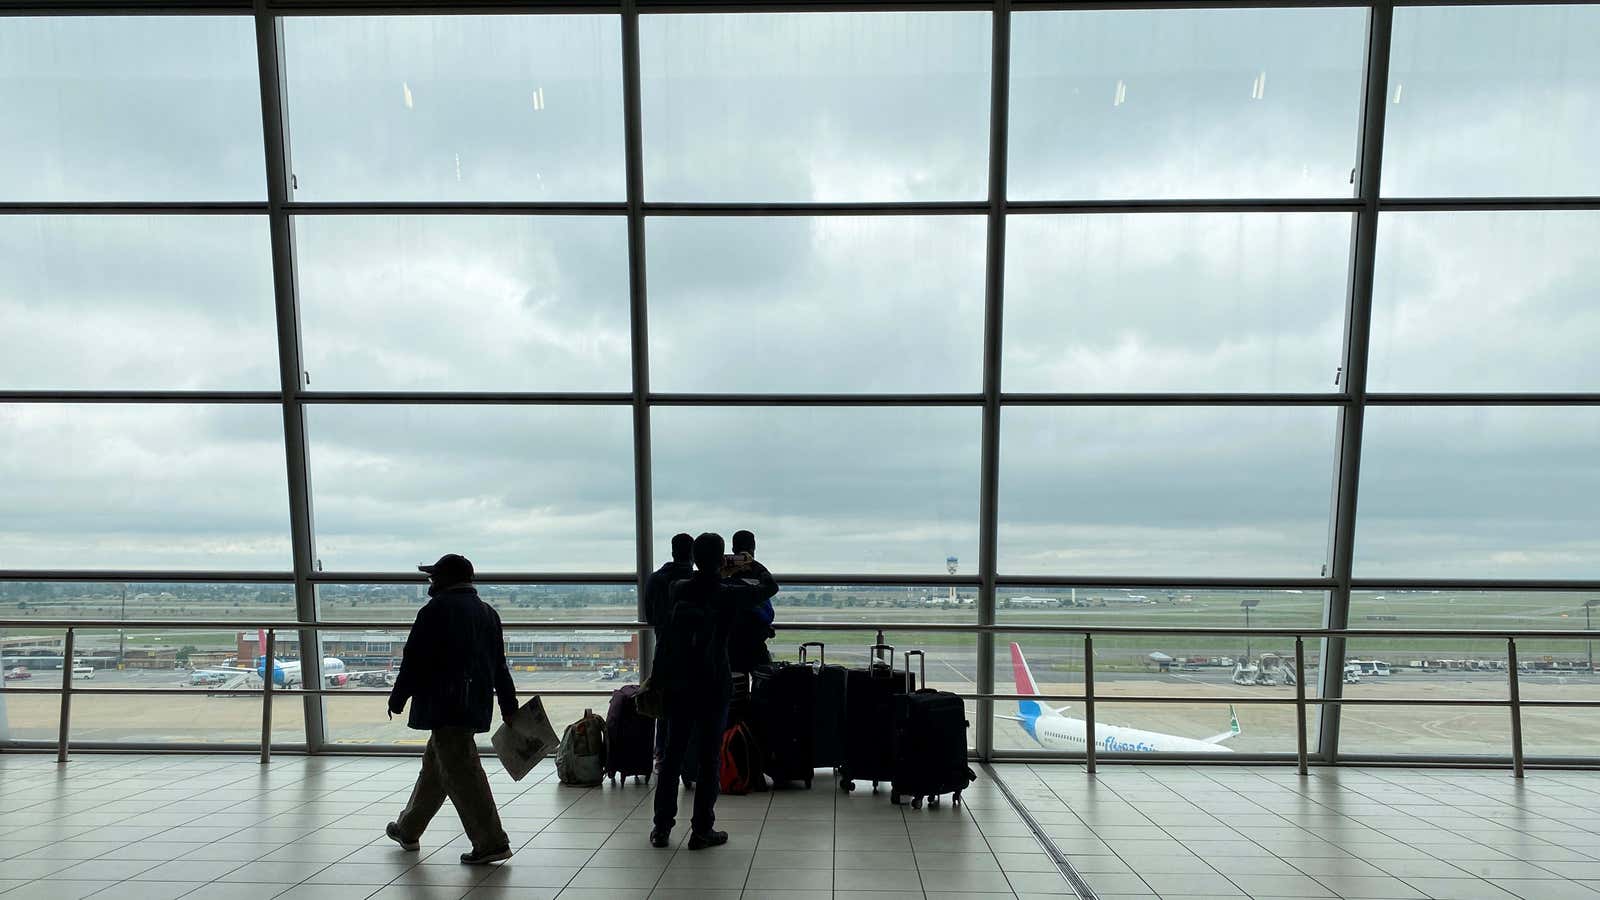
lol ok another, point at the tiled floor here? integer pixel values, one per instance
(225, 827)
(133, 827)
(1183, 833)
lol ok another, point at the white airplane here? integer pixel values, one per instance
(286, 674)
(1054, 731)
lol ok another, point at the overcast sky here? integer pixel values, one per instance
(815, 107)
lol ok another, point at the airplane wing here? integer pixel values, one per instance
(1233, 730)
(1009, 718)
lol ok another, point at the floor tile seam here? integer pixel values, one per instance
(906, 824)
(1075, 879)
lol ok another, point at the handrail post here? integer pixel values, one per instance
(1300, 700)
(269, 666)
(1516, 708)
(65, 724)
(1088, 702)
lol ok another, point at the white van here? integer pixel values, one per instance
(79, 672)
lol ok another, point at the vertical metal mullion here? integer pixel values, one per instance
(993, 302)
(269, 669)
(638, 312)
(1363, 255)
(275, 131)
(1514, 684)
(64, 721)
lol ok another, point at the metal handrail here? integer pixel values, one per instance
(951, 627)
(1091, 751)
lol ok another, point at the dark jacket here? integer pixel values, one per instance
(454, 665)
(704, 609)
(657, 602)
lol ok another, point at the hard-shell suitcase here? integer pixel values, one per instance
(869, 724)
(782, 697)
(930, 743)
(828, 713)
(630, 737)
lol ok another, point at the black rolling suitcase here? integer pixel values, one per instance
(782, 698)
(869, 719)
(930, 743)
(828, 716)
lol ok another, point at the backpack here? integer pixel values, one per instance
(741, 764)
(581, 755)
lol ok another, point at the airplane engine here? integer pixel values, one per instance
(339, 680)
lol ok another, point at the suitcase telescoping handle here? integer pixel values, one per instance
(821, 659)
(876, 651)
(922, 659)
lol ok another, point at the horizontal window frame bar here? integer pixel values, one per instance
(890, 626)
(140, 576)
(1171, 398)
(131, 208)
(1348, 205)
(1530, 585)
(800, 398)
(1176, 582)
(414, 577)
(1488, 204)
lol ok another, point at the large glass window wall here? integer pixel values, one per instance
(1219, 326)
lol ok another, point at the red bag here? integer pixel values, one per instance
(741, 763)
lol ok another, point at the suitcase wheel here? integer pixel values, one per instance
(894, 798)
(916, 802)
(933, 801)
(955, 799)
(848, 785)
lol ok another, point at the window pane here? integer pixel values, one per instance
(160, 719)
(1421, 730)
(1185, 103)
(130, 108)
(1493, 100)
(816, 106)
(513, 488)
(825, 489)
(29, 716)
(162, 486)
(146, 600)
(137, 302)
(817, 304)
(1460, 299)
(1159, 302)
(514, 602)
(1479, 492)
(1165, 490)
(465, 302)
(455, 107)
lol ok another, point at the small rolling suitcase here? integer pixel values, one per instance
(828, 721)
(782, 697)
(930, 743)
(869, 722)
(630, 737)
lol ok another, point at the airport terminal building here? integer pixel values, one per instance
(1208, 390)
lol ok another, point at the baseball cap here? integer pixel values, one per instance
(451, 567)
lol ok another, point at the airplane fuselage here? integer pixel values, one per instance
(1067, 733)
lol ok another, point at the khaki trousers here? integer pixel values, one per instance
(450, 768)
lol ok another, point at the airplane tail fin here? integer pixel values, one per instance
(1233, 728)
(1027, 709)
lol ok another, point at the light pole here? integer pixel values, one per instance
(1587, 605)
(1247, 605)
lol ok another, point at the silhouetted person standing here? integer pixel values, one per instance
(747, 644)
(658, 604)
(698, 686)
(453, 668)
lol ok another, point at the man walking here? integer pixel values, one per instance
(453, 669)
(704, 608)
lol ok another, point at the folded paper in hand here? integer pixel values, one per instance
(524, 739)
